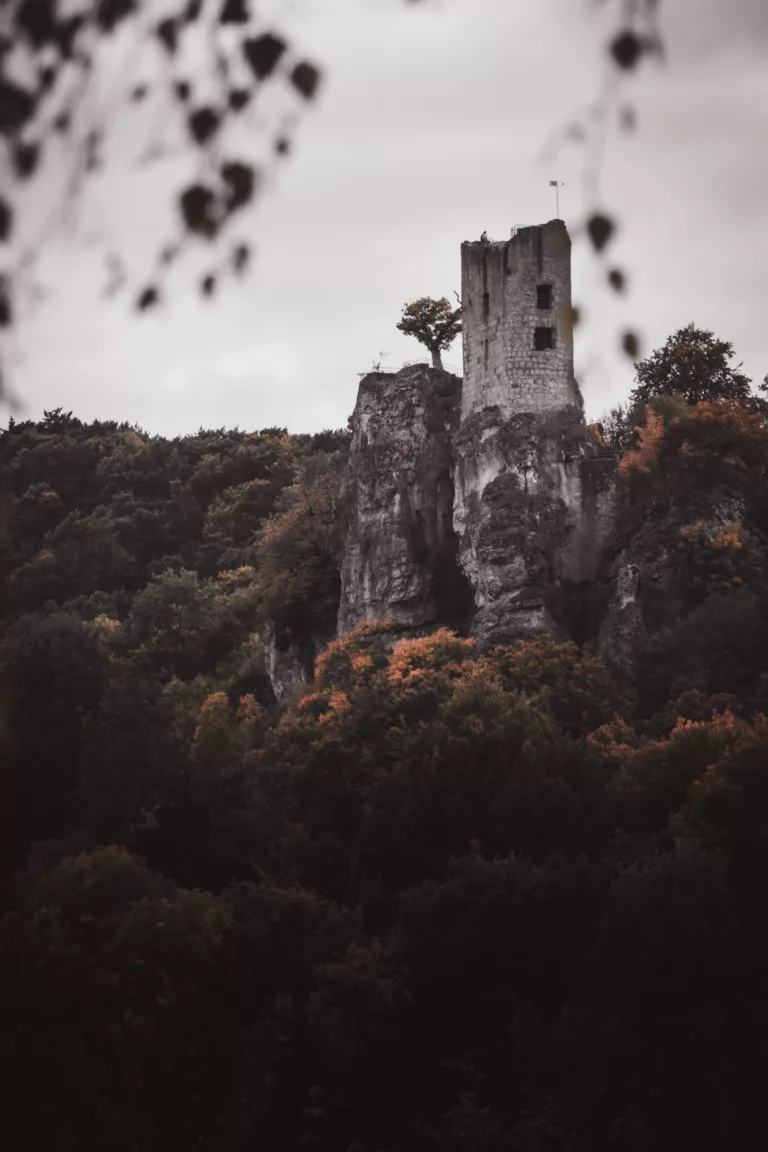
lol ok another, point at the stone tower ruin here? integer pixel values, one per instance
(518, 341)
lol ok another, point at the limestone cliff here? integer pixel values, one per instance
(481, 526)
(288, 663)
(400, 554)
(532, 510)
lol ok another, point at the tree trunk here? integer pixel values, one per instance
(437, 360)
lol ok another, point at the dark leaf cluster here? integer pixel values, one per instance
(53, 36)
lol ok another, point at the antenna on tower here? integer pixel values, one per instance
(557, 185)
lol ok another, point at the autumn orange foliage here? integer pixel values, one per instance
(728, 535)
(351, 657)
(442, 650)
(639, 459)
(732, 414)
(212, 722)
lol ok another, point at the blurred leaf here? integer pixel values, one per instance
(617, 279)
(63, 121)
(147, 298)
(305, 78)
(6, 309)
(110, 13)
(240, 181)
(627, 118)
(168, 34)
(37, 20)
(576, 132)
(282, 146)
(208, 285)
(241, 257)
(46, 77)
(626, 49)
(569, 318)
(92, 157)
(203, 124)
(262, 54)
(198, 210)
(183, 90)
(234, 12)
(66, 34)
(600, 228)
(139, 92)
(193, 10)
(238, 98)
(6, 220)
(630, 344)
(17, 105)
(26, 157)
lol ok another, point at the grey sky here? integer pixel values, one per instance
(427, 132)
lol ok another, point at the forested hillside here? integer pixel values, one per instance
(442, 900)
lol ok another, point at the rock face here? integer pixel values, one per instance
(287, 665)
(533, 507)
(400, 552)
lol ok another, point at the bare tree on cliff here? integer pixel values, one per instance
(434, 323)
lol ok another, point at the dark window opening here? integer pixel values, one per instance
(486, 352)
(544, 339)
(544, 296)
(486, 304)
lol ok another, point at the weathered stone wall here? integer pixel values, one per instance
(400, 560)
(499, 282)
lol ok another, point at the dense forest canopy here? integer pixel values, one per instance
(439, 899)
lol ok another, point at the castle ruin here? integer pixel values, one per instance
(517, 333)
(482, 503)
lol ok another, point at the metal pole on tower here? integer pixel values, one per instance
(557, 185)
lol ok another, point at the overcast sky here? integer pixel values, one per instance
(429, 130)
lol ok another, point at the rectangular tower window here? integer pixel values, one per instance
(544, 339)
(486, 304)
(544, 296)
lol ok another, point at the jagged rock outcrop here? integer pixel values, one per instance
(533, 507)
(482, 525)
(288, 664)
(400, 556)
